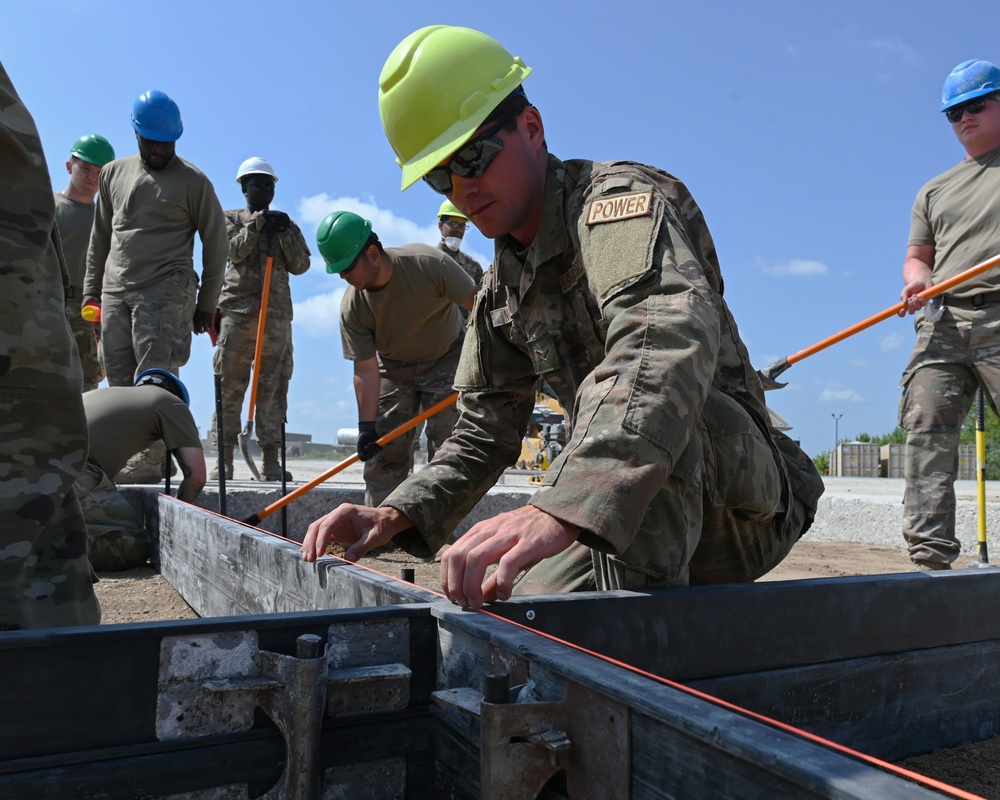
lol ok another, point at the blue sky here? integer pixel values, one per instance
(804, 131)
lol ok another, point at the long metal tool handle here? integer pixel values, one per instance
(771, 372)
(261, 321)
(281, 502)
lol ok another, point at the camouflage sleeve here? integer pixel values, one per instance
(294, 250)
(210, 221)
(496, 384)
(100, 238)
(638, 408)
(243, 236)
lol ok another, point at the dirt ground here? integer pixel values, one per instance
(142, 595)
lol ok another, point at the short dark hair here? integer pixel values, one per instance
(372, 240)
(509, 107)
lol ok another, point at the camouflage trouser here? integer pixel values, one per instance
(148, 327)
(45, 577)
(233, 360)
(405, 391)
(952, 356)
(736, 503)
(116, 538)
(86, 335)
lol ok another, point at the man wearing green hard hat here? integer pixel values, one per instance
(75, 218)
(605, 282)
(400, 325)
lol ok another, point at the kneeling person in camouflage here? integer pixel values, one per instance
(123, 420)
(605, 282)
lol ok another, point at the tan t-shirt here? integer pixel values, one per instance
(144, 228)
(958, 212)
(414, 318)
(122, 420)
(74, 221)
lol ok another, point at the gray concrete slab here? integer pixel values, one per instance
(863, 510)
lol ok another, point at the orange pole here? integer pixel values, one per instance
(933, 291)
(259, 347)
(280, 503)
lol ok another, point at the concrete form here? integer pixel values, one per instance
(400, 694)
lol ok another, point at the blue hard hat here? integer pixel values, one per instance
(155, 116)
(165, 380)
(969, 80)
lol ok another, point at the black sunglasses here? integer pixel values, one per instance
(974, 106)
(472, 160)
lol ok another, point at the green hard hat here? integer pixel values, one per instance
(93, 149)
(341, 236)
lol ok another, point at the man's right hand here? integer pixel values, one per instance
(360, 527)
(911, 296)
(367, 441)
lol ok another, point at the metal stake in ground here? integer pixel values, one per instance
(769, 374)
(244, 437)
(281, 502)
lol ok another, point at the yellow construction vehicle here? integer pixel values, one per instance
(546, 435)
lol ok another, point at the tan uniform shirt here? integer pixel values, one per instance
(144, 229)
(75, 221)
(958, 212)
(415, 318)
(123, 420)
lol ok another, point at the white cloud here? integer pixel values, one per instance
(891, 342)
(392, 230)
(319, 316)
(836, 394)
(861, 363)
(895, 48)
(797, 266)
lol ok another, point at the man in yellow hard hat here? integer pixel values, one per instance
(453, 223)
(606, 283)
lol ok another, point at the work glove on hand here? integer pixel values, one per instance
(367, 438)
(275, 222)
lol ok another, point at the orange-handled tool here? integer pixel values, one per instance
(280, 503)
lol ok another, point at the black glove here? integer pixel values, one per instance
(367, 438)
(276, 222)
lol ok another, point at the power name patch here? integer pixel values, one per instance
(619, 207)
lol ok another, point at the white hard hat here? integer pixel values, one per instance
(255, 166)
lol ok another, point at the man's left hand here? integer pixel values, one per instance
(275, 222)
(203, 321)
(515, 540)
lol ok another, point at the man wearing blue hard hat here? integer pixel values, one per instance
(955, 225)
(140, 265)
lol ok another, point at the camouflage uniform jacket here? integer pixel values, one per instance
(244, 280)
(618, 305)
(472, 267)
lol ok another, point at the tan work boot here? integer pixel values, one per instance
(272, 467)
(147, 466)
(227, 455)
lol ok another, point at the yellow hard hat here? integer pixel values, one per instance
(436, 88)
(448, 209)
